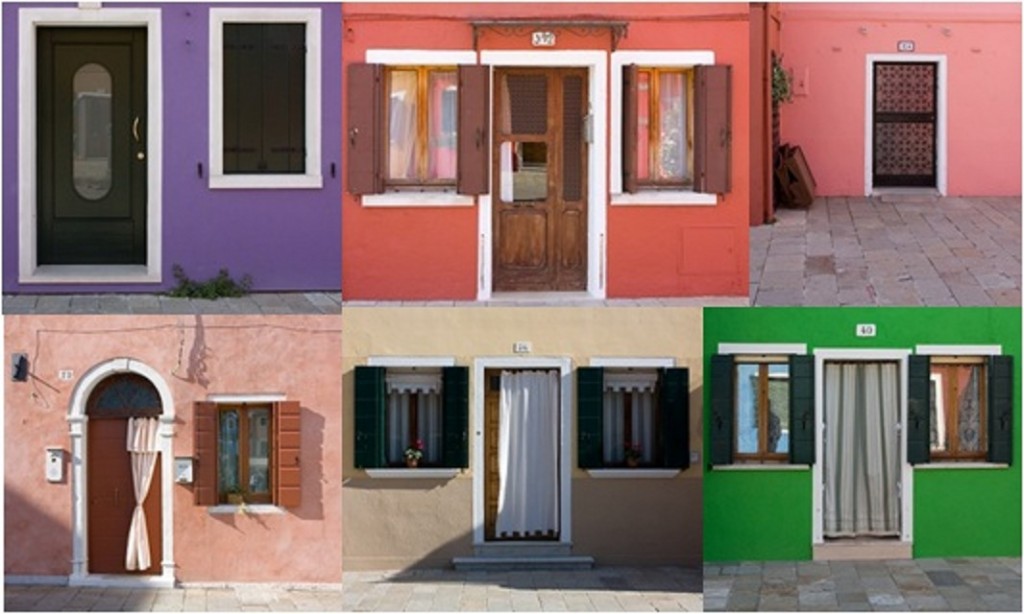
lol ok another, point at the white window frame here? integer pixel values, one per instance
(419, 57)
(312, 178)
(656, 59)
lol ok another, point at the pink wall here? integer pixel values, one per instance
(826, 46)
(298, 356)
(432, 253)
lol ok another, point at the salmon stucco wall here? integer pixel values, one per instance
(825, 46)
(196, 356)
(397, 523)
(432, 251)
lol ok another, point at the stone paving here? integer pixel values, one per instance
(890, 250)
(972, 585)
(265, 303)
(602, 589)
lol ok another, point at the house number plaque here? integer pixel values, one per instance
(543, 39)
(866, 330)
(905, 46)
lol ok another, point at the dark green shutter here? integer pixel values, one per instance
(590, 416)
(675, 417)
(455, 416)
(722, 395)
(1000, 409)
(801, 409)
(370, 402)
(919, 410)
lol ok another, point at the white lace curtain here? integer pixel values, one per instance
(641, 424)
(142, 446)
(400, 435)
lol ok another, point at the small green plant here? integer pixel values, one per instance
(222, 285)
(415, 451)
(782, 82)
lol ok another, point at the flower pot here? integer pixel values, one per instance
(236, 498)
(412, 463)
(632, 462)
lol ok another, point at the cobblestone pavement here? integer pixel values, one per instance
(890, 250)
(973, 585)
(604, 589)
(287, 303)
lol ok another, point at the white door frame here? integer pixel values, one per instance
(941, 133)
(78, 423)
(29, 20)
(564, 365)
(597, 163)
(817, 470)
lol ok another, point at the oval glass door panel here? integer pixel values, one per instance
(92, 138)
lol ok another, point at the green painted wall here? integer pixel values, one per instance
(766, 515)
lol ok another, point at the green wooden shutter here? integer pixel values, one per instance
(801, 409)
(919, 410)
(1000, 409)
(589, 416)
(675, 417)
(370, 402)
(722, 407)
(455, 416)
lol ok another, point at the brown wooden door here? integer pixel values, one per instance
(492, 481)
(112, 500)
(540, 179)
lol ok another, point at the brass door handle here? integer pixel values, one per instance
(135, 128)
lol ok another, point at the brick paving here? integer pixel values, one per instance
(263, 303)
(890, 250)
(963, 585)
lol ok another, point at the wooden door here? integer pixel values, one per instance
(905, 111)
(540, 179)
(112, 500)
(91, 131)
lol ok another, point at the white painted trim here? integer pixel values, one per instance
(959, 350)
(817, 470)
(412, 474)
(564, 365)
(761, 467)
(246, 398)
(597, 201)
(941, 125)
(410, 361)
(29, 19)
(681, 59)
(958, 466)
(762, 348)
(634, 474)
(256, 509)
(78, 424)
(635, 363)
(310, 17)
(418, 199)
(421, 57)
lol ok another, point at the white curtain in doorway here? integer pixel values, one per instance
(528, 453)
(862, 451)
(142, 446)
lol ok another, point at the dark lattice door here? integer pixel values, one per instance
(540, 182)
(904, 124)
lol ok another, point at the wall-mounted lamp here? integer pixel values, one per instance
(19, 367)
(183, 469)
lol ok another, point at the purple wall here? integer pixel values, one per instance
(284, 239)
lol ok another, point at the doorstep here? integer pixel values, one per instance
(863, 550)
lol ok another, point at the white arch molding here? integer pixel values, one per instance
(78, 423)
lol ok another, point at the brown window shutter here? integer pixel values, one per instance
(713, 129)
(474, 138)
(365, 148)
(204, 449)
(288, 438)
(630, 122)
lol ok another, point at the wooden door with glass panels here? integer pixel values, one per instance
(540, 179)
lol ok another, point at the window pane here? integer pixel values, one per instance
(746, 408)
(443, 124)
(92, 131)
(643, 125)
(397, 425)
(671, 126)
(778, 408)
(429, 424)
(402, 112)
(939, 437)
(614, 436)
(969, 407)
(227, 452)
(259, 450)
(524, 171)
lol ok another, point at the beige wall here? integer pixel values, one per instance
(398, 523)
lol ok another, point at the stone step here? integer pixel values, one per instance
(522, 549)
(523, 563)
(863, 550)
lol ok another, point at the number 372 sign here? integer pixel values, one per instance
(543, 39)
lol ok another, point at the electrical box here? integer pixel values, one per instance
(183, 469)
(54, 465)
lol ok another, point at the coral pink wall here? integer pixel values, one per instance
(826, 47)
(432, 253)
(297, 356)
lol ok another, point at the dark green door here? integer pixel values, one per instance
(92, 146)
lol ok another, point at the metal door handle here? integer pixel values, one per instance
(135, 128)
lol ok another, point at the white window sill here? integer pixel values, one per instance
(664, 197)
(662, 474)
(91, 274)
(268, 182)
(952, 465)
(413, 474)
(761, 467)
(254, 508)
(418, 199)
